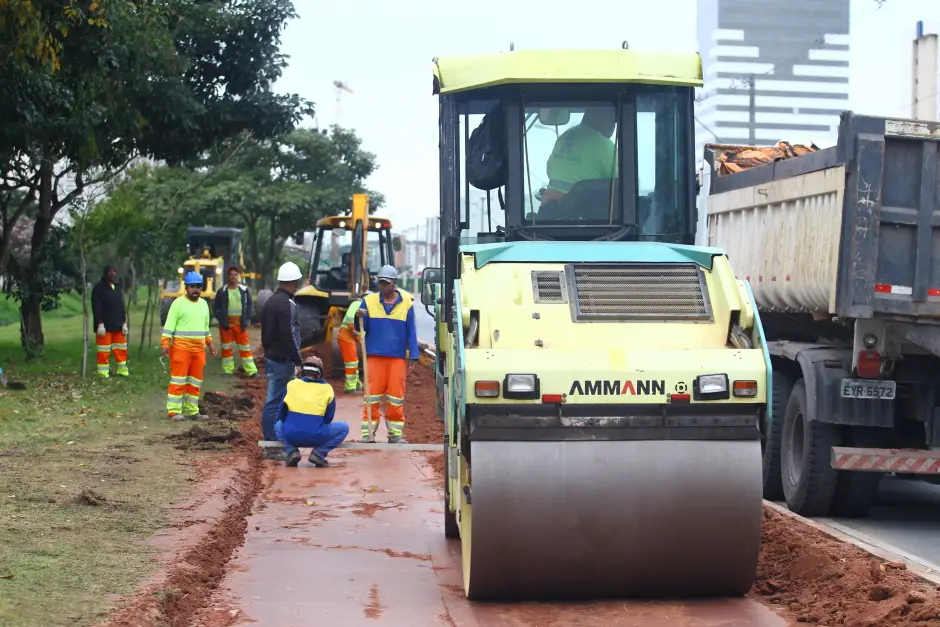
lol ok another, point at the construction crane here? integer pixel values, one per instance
(340, 88)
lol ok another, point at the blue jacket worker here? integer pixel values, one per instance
(305, 418)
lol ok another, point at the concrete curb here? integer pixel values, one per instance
(921, 568)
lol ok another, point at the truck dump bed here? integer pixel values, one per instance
(851, 231)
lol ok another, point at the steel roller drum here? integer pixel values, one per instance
(592, 519)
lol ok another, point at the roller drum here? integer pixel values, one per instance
(594, 519)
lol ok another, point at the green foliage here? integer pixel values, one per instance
(171, 79)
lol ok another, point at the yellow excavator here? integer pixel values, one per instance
(210, 249)
(347, 252)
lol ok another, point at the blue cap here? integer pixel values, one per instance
(193, 278)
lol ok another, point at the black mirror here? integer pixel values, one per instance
(396, 243)
(429, 277)
(299, 238)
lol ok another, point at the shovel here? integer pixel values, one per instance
(373, 424)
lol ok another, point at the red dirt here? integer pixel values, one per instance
(822, 581)
(809, 577)
(422, 425)
(196, 565)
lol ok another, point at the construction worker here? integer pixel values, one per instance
(185, 337)
(348, 348)
(233, 311)
(583, 152)
(388, 319)
(280, 337)
(306, 416)
(110, 322)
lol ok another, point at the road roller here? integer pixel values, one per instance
(347, 252)
(603, 382)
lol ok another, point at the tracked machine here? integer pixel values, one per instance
(346, 253)
(603, 382)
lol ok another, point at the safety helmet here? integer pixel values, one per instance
(313, 366)
(289, 272)
(388, 273)
(193, 278)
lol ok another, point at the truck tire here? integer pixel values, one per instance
(260, 300)
(856, 491)
(809, 480)
(773, 484)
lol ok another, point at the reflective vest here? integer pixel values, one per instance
(308, 408)
(391, 334)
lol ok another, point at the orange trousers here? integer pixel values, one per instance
(112, 341)
(186, 368)
(386, 380)
(346, 338)
(230, 337)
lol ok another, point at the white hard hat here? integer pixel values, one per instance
(289, 272)
(387, 272)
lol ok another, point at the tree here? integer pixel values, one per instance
(275, 188)
(168, 78)
(31, 31)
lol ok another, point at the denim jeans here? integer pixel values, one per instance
(278, 375)
(337, 433)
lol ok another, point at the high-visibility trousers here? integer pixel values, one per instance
(346, 339)
(232, 337)
(386, 381)
(186, 368)
(112, 341)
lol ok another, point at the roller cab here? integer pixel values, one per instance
(603, 383)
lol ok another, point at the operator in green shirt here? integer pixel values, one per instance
(581, 153)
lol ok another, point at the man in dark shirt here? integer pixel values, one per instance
(280, 337)
(110, 322)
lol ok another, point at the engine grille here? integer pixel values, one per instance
(549, 287)
(640, 291)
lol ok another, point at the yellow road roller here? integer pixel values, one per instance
(603, 381)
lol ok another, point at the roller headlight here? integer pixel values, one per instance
(521, 386)
(707, 387)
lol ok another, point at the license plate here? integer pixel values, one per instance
(857, 388)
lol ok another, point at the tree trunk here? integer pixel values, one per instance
(31, 336)
(84, 269)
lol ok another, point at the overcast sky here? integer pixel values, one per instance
(383, 49)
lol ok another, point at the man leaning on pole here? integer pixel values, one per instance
(185, 337)
(388, 319)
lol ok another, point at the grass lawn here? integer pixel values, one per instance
(85, 473)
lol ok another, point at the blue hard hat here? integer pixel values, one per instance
(192, 278)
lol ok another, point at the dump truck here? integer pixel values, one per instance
(603, 382)
(842, 248)
(347, 252)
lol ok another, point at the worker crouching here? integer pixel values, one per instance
(233, 311)
(185, 337)
(388, 319)
(306, 415)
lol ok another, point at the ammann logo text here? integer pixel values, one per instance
(644, 387)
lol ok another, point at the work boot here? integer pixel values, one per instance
(368, 439)
(293, 458)
(317, 460)
(199, 416)
(397, 439)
